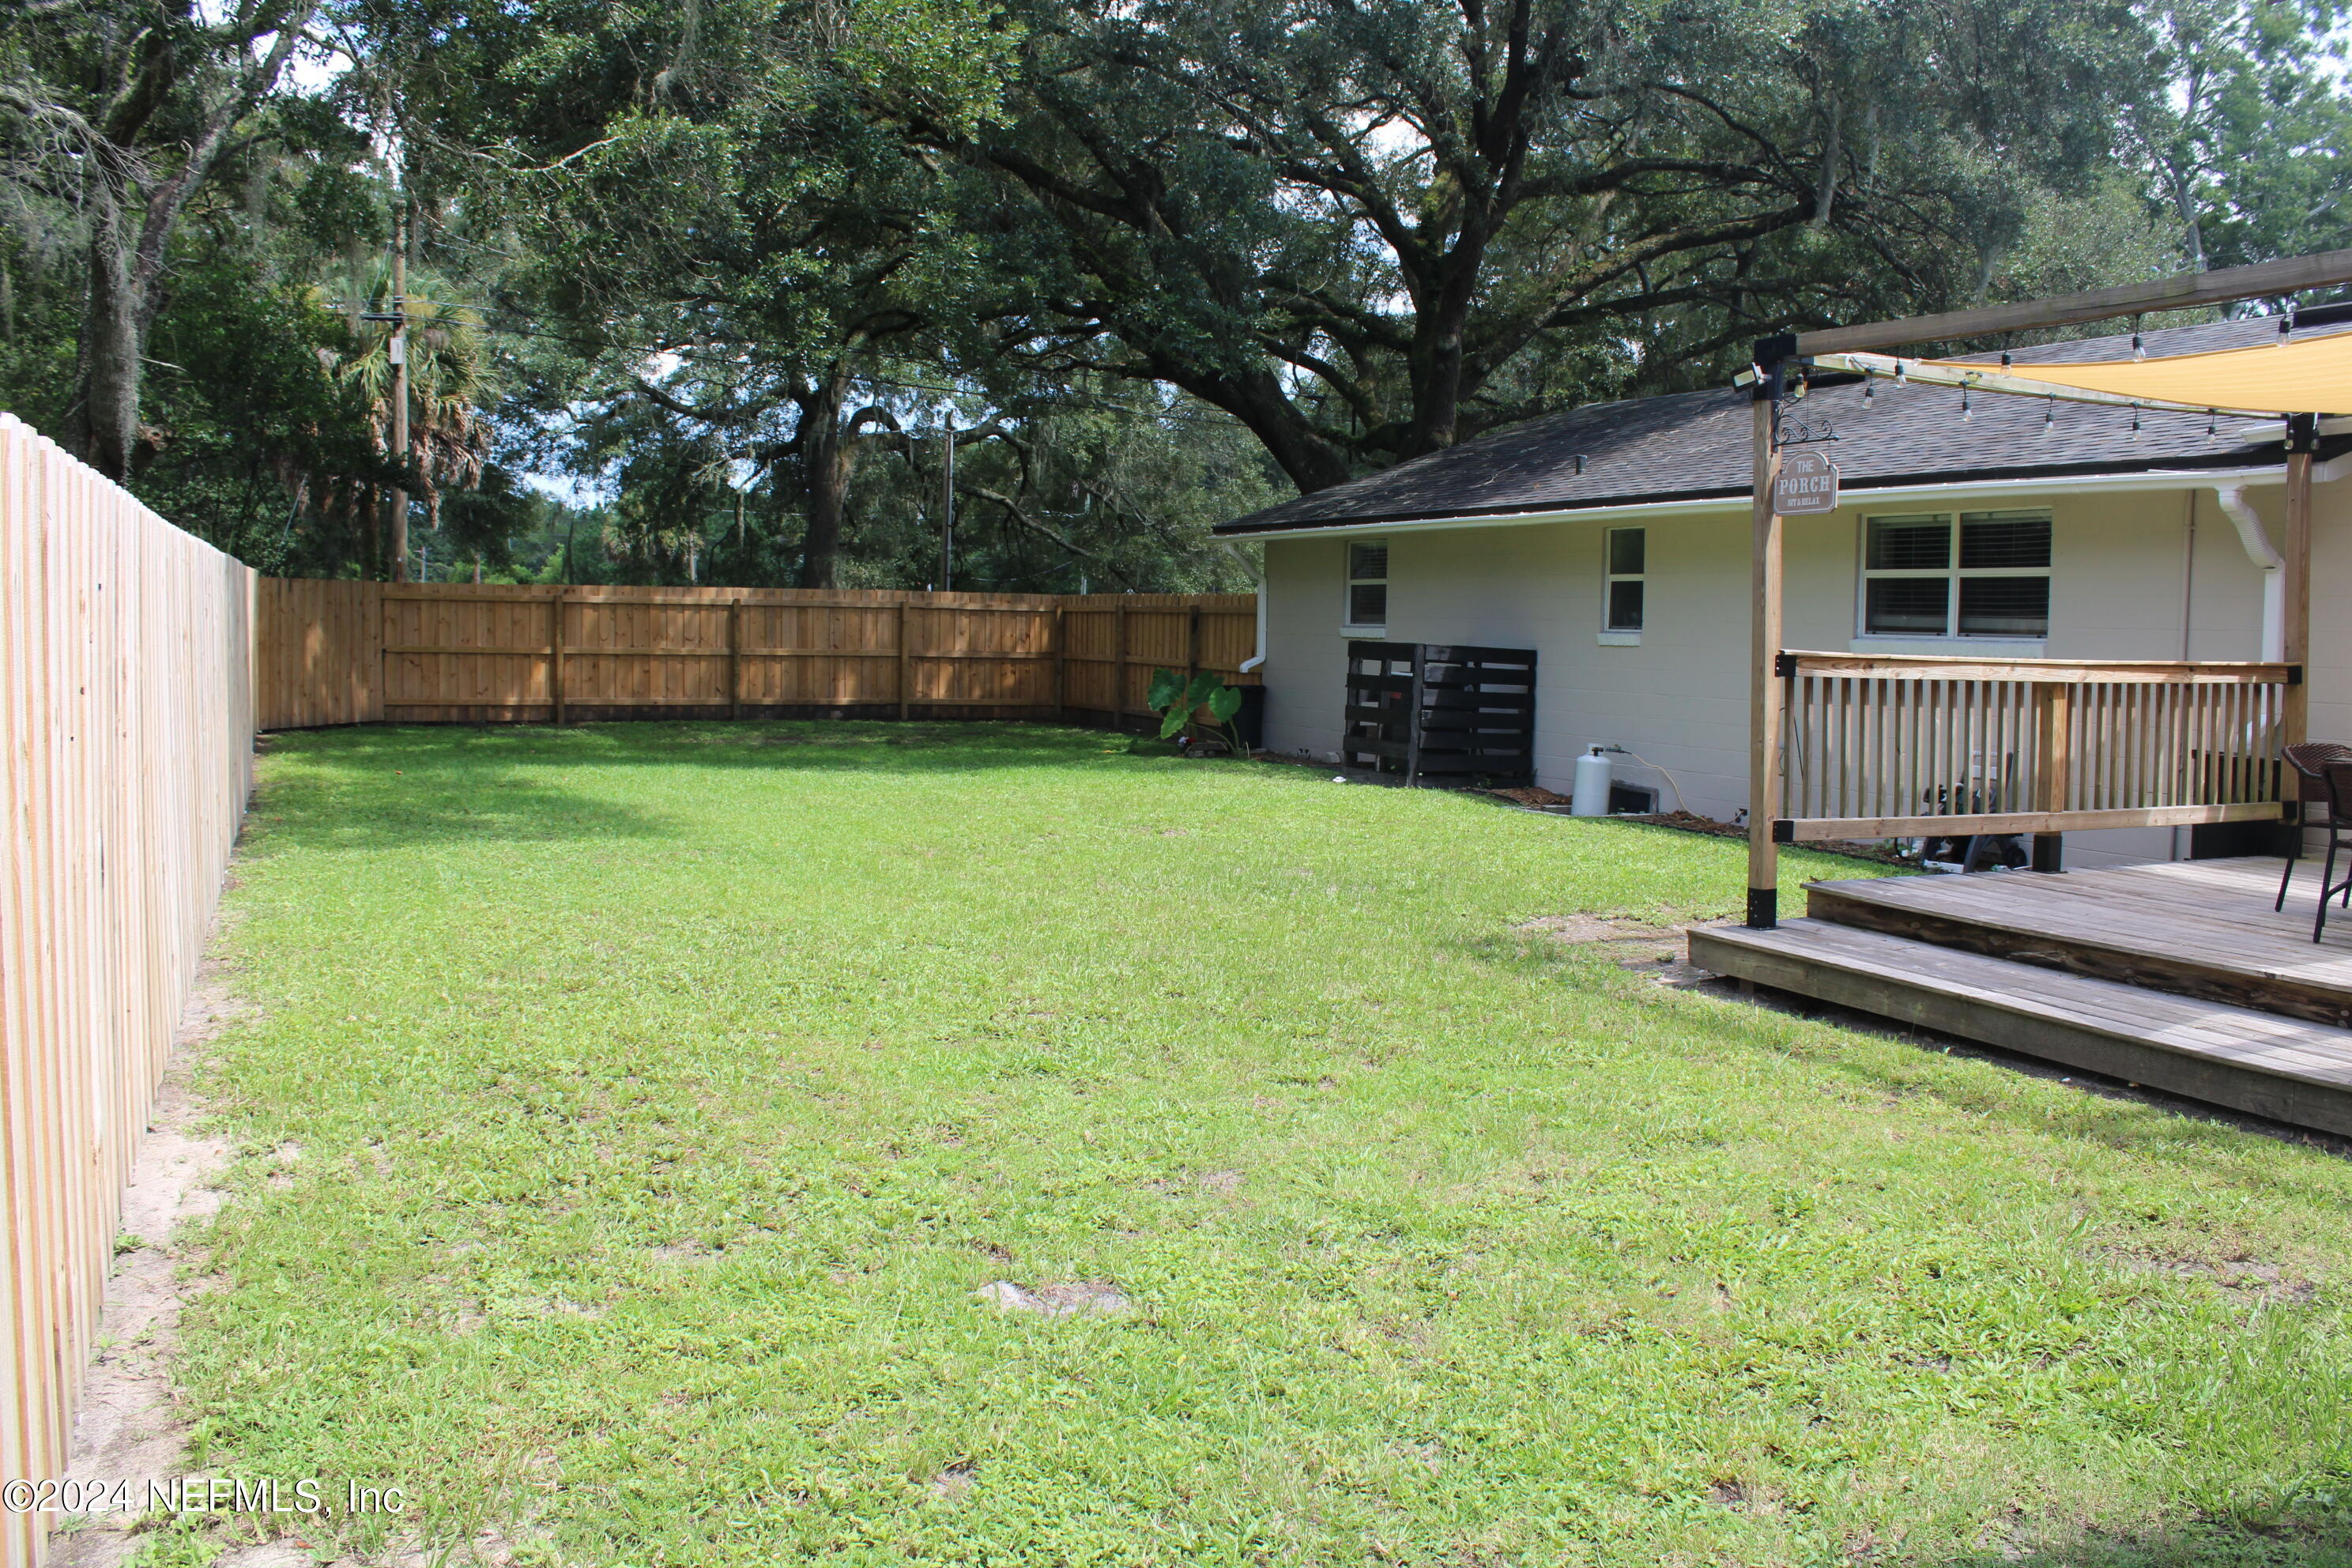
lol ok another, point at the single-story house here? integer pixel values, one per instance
(1614, 541)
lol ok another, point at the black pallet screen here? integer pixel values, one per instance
(1440, 711)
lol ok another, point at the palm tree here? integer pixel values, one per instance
(450, 384)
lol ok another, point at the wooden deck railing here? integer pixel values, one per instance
(1893, 746)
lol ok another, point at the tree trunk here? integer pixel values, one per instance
(108, 423)
(375, 507)
(132, 222)
(824, 466)
(1257, 399)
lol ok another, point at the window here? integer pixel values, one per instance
(1981, 574)
(1628, 551)
(1367, 585)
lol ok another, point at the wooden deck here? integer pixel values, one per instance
(2181, 976)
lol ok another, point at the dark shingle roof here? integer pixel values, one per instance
(1696, 445)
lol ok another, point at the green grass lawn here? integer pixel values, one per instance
(633, 1112)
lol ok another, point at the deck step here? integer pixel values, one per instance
(2286, 1068)
(2203, 929)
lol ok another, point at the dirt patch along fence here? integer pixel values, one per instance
(345, 653)
(126, 755)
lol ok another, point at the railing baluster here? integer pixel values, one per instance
(2200, 742)
(1845, 746)
(1801, 714)
(1819, 739)
(2161, 741)
(2167, 698)
(2131, 736)
(2110, 751)
(1883, 754)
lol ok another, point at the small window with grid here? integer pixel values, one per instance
(1367, 588)
(1978, 575)
(1627, 575)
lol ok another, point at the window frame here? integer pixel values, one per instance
(1612, 634)
(1952, 573)
(1349, 582)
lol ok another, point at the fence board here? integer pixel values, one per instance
(127, 690)
(340, 653)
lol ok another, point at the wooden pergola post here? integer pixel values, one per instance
(1764, 647)
(2302, 442)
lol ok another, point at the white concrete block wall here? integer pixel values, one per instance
(2120, 563)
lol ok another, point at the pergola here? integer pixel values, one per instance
(2185, 726)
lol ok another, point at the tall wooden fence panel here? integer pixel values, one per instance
(126, 754)
(463, 653)
(1114, 641)
(318, 652)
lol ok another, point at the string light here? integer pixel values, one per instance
(2138, 350)
(1898, 373)
(2211, 415)
(2049, 414)
(1869, 388)
(2135, 421)
(1964, 405)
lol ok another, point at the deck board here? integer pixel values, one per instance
(2199, 927)
(2249, 1059)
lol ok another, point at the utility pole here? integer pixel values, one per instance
(398, 351)
(947, 500)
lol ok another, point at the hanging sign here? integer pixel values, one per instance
(1807, 483)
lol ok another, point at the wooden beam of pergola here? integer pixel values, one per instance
(2182, 290)
(2017, 380)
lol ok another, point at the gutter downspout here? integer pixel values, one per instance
(2265, 556)
(1251, 663)
(2181, 842)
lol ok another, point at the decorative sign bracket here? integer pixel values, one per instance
(1788, 432)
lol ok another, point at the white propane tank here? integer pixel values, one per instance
(1592, 796)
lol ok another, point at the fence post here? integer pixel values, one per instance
(2052, 743)
(1061, 664)
(735, 658)
(902, 659)
(555, 652)
(383, 614)
(1118, 664)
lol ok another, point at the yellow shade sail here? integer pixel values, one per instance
(2304, 376)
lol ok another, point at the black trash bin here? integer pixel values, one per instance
(1250, 721)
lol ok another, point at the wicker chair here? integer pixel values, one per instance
(2337, 778)
(2307, 765)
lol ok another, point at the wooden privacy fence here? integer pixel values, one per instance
(346, 653)
(1899, 746)
(126, 700)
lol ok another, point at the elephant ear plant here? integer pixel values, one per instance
(1176, 700)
